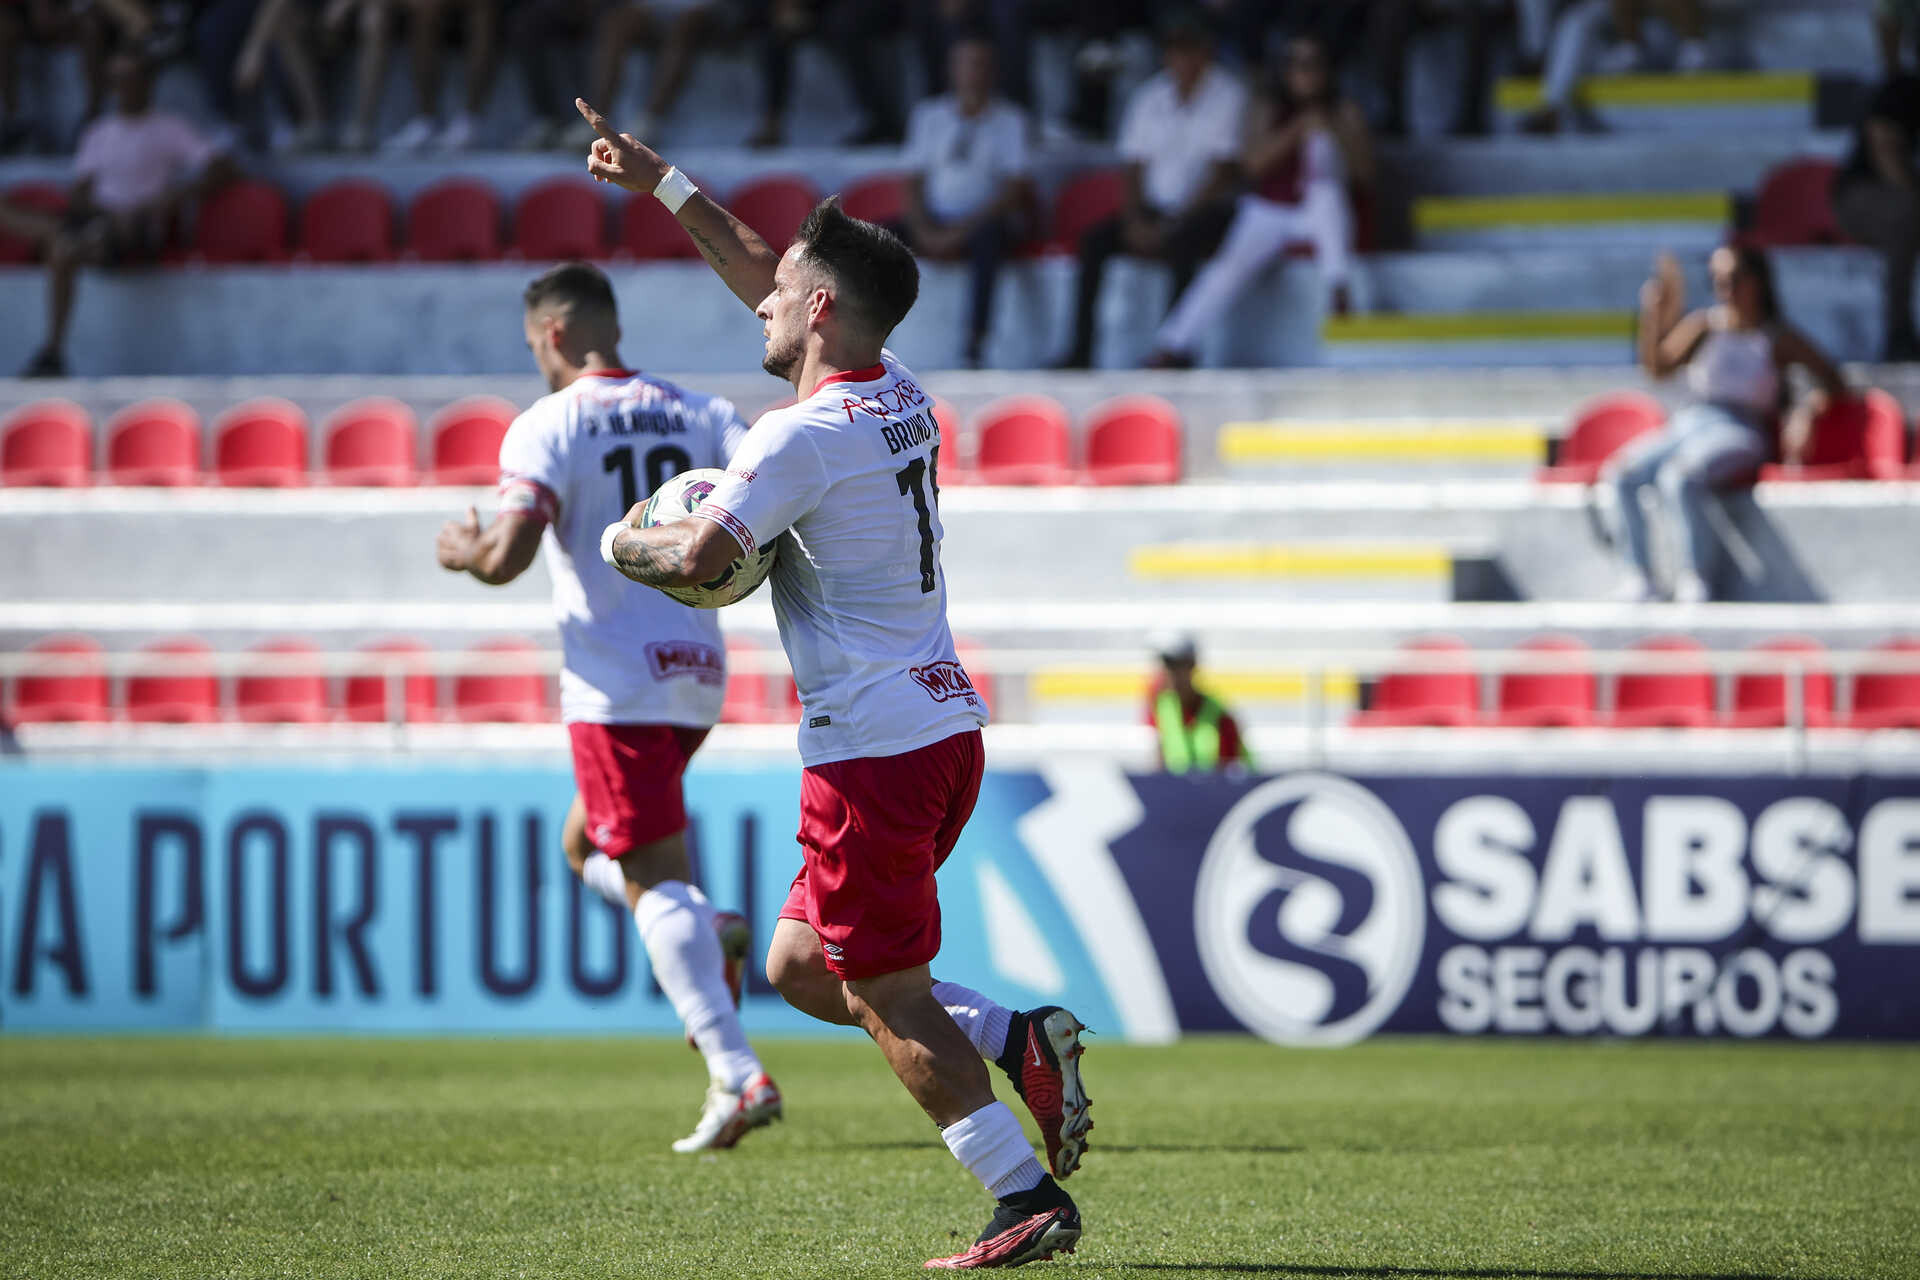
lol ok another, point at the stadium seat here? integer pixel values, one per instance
(648, 232)
(1548, 699)
(457, 220)
(367, 698)
(747, 700)
(180, 688)
(974, 658)
(1864, 438)
(154, 442)
(1760, 697)
(512, 692)
(1668, 698)
(348, 221)
(952, 468)
(775, 207)
(1134, 440)
(1087, 200)
(261, 444)
(1794, 206)
(882, 199)
(1889, 699)
(1600, 429)
(243, 221)
(560, 221)
(42, 197)
(71, 695)
(295, 693)
(1023, 440)
(1428, 697)
(466, 439)
(372, 442)
(48, 444)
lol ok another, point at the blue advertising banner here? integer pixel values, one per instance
(1308, 908)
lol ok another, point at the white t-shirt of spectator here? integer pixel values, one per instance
(965, 159)
(1179, 141)
(578, 459)
(850, 477)
(135, 159)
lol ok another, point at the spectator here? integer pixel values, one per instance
(1197, 734)
(939, 23)
(1181, 139)
(1896, 24)
(538, 32)
(134, 171)
(1570, 54)
(850, 30)
(426, 20)
(1307, 148)
(1629, 50)
(1736, 354)
(1876, 200)
(969, 193)
(235, 40)
(48, 22)
(676, 30)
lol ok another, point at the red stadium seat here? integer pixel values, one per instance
(1024, 440)
(41, 197)
(1794, 205)
(1087, 200)
(1889, 699)
(1548, 699)
(1863, 438)
(561, 220)
(466, 439)
(748, 692)
(1430, 696)
(243, 221)
(457, 220)
(1668, 698)
(367, 698)
(513, 693)
(180, 687)
(372, 442)
(261, 444)
(287, 688)
(1760, 697)
(882, 199)
(154, 442)
(648, 232)
(1600, 430)
(48, 444)
(1134, 440)
(953, 467)
(775, 207)
(75, 694)
(348, 221)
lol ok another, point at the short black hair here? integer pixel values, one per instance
(875, 273)
(575, 286)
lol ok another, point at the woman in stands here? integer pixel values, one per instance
(1736, 354)
(1307, 151)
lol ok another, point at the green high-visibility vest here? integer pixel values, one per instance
(1184, 748)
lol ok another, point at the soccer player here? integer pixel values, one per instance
(890, 724)
(644, 676)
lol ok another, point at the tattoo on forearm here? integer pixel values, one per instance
(644, 562)
(709, 248)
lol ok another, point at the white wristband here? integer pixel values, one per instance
(606, 539)
(675, 189)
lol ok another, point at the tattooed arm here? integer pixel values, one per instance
(682, 554)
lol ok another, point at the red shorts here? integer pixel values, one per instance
(629, 780)
(872, 832)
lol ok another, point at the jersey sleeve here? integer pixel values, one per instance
(532, 478)
(775, 478)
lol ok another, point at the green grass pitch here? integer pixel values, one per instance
(1217, 1157)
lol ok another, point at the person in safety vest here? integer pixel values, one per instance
(1197, 733)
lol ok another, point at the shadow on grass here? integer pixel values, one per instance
(1438, 1273)
(1147, 1148)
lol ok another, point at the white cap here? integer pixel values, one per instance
(1173, 646)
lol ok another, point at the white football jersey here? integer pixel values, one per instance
(848, 475)
(579, 459)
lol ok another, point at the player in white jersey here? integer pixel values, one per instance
(644, 675)
(890, 723)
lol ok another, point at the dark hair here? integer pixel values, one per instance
(1282, 92)
(874, 272)
(1752, 261)
(574, 286)
(1186, 29)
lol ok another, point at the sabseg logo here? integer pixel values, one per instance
(1309, 911)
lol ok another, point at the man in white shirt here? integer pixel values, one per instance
(848, 479)
(969, 190)
(1181, 139)
(644, 676)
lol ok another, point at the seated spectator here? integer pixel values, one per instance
(1736, 354)
(1876, 200)
(1307, 148)
(1181, 139)
(676, 30)
(939, 23)
(969, 193)
(848, 30)
(426, 20)
(1197, 734)
(539, 34)
(236, 43)
(1570, 54)
(134, 171)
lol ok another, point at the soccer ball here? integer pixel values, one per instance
(675, 500)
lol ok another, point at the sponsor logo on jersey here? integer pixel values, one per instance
(944, 681)
(888, 402)
(703, 662)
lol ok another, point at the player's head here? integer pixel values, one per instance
(570, 314)
(1743, 279)
(843, 283)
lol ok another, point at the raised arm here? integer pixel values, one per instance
(733, 249)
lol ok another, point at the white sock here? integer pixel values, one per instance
(985, 1022)
(992, 1147)
(686, 959)
(603, 875)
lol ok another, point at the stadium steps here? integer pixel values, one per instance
(1679, 221)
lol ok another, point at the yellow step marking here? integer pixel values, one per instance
(1290, 560)
(1706, 89)
(1478, 326)
(1130, 684)
(1441, 439)
(1478, 213)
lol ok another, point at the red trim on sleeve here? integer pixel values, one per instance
(872, 373)
(529, 497)
(728, 521)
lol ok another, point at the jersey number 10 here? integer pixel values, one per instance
(663, 463)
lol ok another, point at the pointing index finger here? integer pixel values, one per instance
(598, 121)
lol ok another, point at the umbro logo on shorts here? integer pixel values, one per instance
(831, 949)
